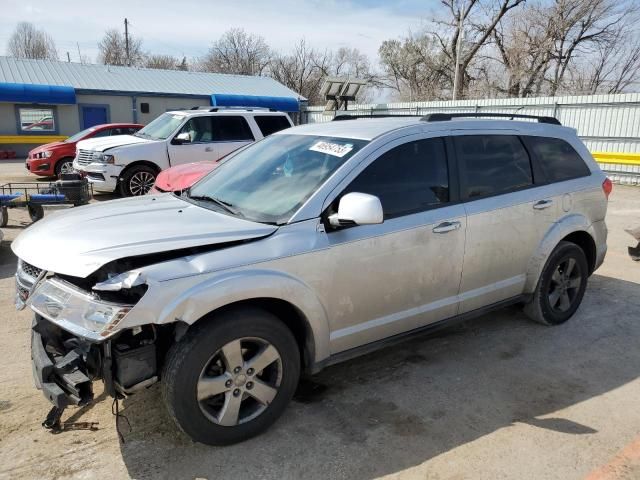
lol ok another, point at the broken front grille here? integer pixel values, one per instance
(27, 277)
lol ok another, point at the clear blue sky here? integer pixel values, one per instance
(187, 27)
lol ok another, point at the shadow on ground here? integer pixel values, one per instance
(403, 405)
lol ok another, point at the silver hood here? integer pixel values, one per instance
(79, 241)
(101, 144)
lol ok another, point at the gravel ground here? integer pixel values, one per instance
(497, 397)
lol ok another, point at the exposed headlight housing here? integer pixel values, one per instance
(103, 158)
(76, 311)
(47, 153)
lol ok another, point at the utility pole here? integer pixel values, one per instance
(79, 54)
(68, 57)
(457, 73)
(126, 41)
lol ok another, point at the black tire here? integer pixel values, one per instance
(4, 216)
(549, 304)
(36, 212)
(191, 357)
(129, 184)
(58, 168)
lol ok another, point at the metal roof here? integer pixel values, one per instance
(139, 80)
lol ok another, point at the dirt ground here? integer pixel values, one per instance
(497, 397)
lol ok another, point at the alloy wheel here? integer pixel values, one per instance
(239, 381)
(565, 285)
(140, 183)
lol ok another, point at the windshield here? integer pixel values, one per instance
(79, 135)
(269, 180)
(161, 127)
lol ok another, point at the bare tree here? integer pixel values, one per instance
(237, 52)
(415, 67)
(302, 70)
(467, 28)
(162, 62)
(112, 49)
(28, 42)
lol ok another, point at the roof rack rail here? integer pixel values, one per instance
(443, 117)
(382, 115)
(216, 109)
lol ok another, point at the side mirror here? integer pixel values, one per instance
(184, 137)
(357, 209)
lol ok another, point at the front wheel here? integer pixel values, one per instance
(64, 167)
(561, 286)
(231, 377)
(137, 181)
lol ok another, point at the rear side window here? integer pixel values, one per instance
(559, 160)
(231, 129)
(492, 164)
(407, 179)
(269, 124)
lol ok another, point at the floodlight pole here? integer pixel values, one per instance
(126, 41)
(456, 73)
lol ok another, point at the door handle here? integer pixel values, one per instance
(542, 204)
(445, 227)
(208, 149)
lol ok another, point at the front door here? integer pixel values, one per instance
(199, 144)
(93, 115)
(404, 273)
(230, 133)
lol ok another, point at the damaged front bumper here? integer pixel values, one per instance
(65, 366)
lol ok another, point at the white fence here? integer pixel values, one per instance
(606, 123)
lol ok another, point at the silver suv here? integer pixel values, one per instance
(309, 247)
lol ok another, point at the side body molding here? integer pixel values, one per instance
(565, 226)
(242, 285)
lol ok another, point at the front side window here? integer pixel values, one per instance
(270, 180)
(407, 179)
(162, 127)
(269, 124)
(36, 120)
(558, 159)
(199, 130)
(231, 129)
(492, 164)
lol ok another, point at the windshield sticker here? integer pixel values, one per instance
(334, 149)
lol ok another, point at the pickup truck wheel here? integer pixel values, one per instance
(232, 377)
(137, 181)
(561, 286)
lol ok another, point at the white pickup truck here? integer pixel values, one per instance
(129, 164)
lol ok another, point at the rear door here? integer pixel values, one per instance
(504, 221)
(404, 273)
(230, 132)
(201, 145)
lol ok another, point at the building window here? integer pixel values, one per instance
(36, 120)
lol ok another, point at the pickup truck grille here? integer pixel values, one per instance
(84, 157)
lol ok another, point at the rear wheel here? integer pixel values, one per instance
(64, 166)
(137, 180)
(232, 377)
(561, 286)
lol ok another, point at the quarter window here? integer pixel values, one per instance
(407, 179)
(492, 164)
(269, 124)
(231, 129)
(558, 159)
(36, 120)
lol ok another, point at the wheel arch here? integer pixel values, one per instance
(284, 296)
(147, 163)
(573, 228)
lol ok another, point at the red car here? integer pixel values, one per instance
(180, 177)
(57, 157)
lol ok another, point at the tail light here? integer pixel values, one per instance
(607, 186)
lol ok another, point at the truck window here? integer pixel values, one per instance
(269, 124)
(231, 129)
